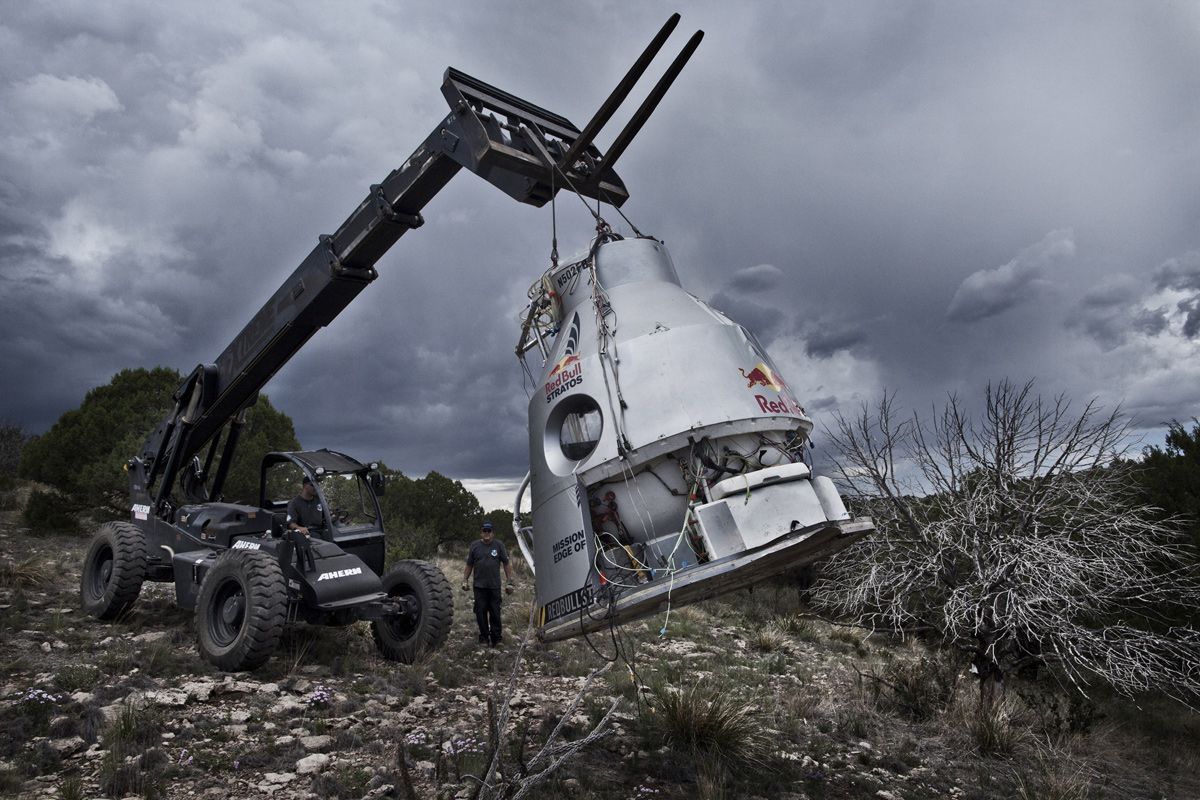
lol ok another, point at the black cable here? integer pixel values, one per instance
(633, 227)
(553, 223)
(708, 462)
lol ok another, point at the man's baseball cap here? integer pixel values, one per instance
(487, 525)
(306, 480)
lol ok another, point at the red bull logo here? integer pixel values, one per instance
(562, 364)
(762, 375)
(566, 375)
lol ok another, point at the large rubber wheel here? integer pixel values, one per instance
(241, 609)
(406, 638)
(113, 570)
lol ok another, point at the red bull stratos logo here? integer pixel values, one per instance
(764, 376)
(567, 372)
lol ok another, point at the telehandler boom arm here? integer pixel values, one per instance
(526, 151)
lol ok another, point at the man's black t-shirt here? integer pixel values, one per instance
(485, 560)
(306, 513)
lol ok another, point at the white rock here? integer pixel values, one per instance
(288, 705)
(200, 690)
(66, 747)
(150, 636)
(284, 741)
(46, 647)
(168, 697)
(317, 743)
(312, 764)
(231, 686)
(279, 777)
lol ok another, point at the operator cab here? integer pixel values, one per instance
(348, 494)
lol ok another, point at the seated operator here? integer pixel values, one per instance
(304, 512)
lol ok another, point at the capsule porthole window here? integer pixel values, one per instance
(580, 430)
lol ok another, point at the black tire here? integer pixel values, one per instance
(241, 610)
(113, 570)
(406, 639)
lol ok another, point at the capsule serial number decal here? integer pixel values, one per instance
(568, 603)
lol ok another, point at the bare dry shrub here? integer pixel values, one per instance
(996, 728)
(32, 572)
(767, 639)
(1017, 538)
(709, 725)
(1054, 773)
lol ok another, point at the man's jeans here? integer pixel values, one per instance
(487, 614)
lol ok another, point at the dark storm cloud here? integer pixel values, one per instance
(1109, 312)
(1122, 306)
(1150, 321)
(823, 341)
(1179, 273)
(164, 166)
(744, 299)
(988, 292)
(759, 278)
(762, 319)
(1183, 274)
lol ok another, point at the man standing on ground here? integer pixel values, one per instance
(484, 559)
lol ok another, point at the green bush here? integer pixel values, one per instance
(434, 506)
(407, 540)
(12, 442)
(76, 678)
(85, 451)
(46, 512)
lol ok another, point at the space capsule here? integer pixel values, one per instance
(668, 455)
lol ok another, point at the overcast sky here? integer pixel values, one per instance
(915, 197)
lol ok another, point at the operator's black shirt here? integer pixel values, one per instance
(485, 560)
(306, 513)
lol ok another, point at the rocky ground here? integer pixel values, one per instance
(743, 697)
